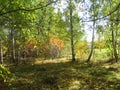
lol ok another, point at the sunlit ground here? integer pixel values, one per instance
(58, 60)
(60, 74)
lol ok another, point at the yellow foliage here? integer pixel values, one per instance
(100, 44)
(81, 49)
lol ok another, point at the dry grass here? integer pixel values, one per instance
(59, 60)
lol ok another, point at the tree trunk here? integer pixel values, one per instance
(1, 51)
(18, 56)
(92, 44)
(72, 35)
(13, 46)
(114, 42)
(37, 49)
(114, 45)
(99, 40)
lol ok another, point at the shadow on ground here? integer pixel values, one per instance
(65, 76)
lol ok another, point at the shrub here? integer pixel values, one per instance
(5, 76)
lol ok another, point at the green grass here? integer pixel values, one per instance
(100, 55)
(66, 76)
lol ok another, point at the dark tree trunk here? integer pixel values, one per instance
(18, 55)
(72, 35)
(114, 45)
(114, 42)
(1, 51)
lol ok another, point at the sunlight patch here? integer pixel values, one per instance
(75, 85)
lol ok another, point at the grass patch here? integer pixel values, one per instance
(66, 76)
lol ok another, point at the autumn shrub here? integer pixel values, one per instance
(82, 50)
(51, 49)
(56, 46)
(44, 50)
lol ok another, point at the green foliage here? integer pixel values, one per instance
(100, 44)
(5, 75)
(2, 35)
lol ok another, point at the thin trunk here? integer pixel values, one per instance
(24, 55)
(1, 51)
(9, 46)
(114, 45)
(37, 52)
(113, 38)
(99, 40)
(37, 49)
(72, 35)
(18, 56)
(13, 45)
(117, 23)
(92, 44)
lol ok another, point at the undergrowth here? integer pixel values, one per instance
(66, 76)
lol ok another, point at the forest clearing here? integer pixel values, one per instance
(60, 45)
(66, 76)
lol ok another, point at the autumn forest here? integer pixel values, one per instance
(59, 45)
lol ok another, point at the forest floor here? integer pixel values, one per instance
(65, 75)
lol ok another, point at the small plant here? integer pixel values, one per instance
(5, 76)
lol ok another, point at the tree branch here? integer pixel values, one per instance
(118, 6)
(27, 10)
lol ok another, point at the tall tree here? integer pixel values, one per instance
(93, 32)
(1, 51)
(114, 41)
(71, 30)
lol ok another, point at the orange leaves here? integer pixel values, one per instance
(44, 49)
(57, 42)
(31, 44)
